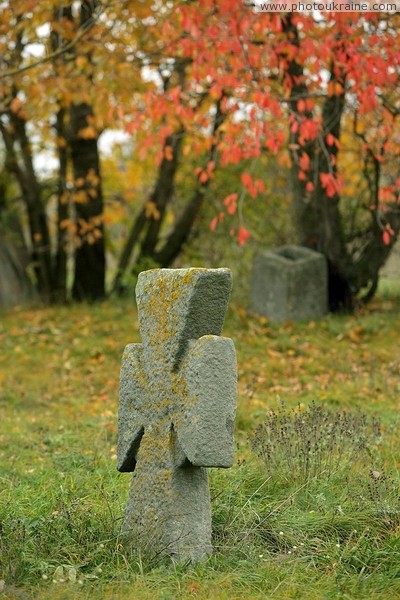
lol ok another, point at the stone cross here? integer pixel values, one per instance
(177, 409)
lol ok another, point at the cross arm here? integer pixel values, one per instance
(130, 412)
(205, 432)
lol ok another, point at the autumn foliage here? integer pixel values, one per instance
(214, 84)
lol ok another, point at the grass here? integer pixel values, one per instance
(279, 532)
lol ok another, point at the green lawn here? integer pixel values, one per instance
(331, 530)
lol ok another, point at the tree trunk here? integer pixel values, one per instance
(177, 238)
(151, 215)
(81, 136)
(31, 193)
(316, 216)
(16, 288)
(90, 263)
(60, 262)
(162, 193)
(184, 225)
(327, 235)
(124, 260)
(61, 12)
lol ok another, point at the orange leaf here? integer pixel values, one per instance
(204, 177)
(335, 89)
(15, 105)
(168, 154)
(194, 588)
(88, 133)
(80, 61)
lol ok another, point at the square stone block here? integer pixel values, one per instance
(290, 283)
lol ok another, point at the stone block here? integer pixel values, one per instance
(290, 283)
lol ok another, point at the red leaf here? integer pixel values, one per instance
(249, 184)
(304, 162)
(277, 23)
(309, 186)
(243, 236)
(309, 129)
(386, 237)
(330, 184)
(231, 198)
(272, 144)
(330, 139)
(301, 106)
(260, 185)
(246, 179)
(386, 194)
(230, 202)
(213, 223)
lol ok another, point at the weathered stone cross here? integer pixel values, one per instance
(177, 408)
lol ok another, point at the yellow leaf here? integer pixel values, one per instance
(80, 61)
(152, 211)
(170, 219)
(61, 142)
(69, 225)
(92, 178)
(80, 197)
(64, 198)
(273, 353)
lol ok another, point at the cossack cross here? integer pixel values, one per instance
(177, 408)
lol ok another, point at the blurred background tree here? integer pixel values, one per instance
(242, 131)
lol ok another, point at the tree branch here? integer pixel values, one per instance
(83, 29)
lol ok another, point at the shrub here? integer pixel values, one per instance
(309, 443)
